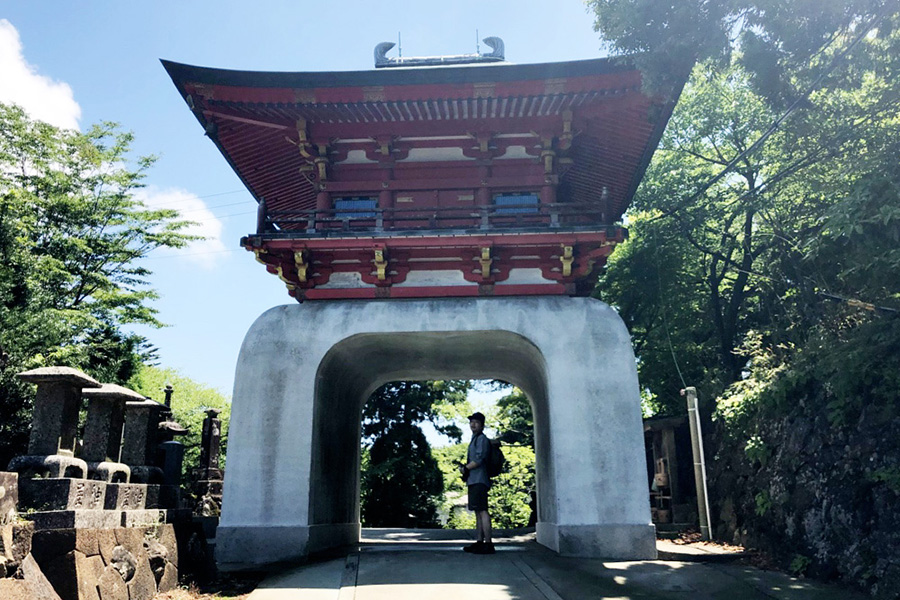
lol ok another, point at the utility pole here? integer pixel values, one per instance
(699, 461)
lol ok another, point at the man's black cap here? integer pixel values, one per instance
(477, 417)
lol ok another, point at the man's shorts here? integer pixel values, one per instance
(478, 497)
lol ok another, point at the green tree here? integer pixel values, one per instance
(402, 484)
(775, 190)
(454, 497)
(688, 280)
(512, 492)
(190, 400)
(514, 420)
(71, 238)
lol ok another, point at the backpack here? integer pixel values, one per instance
(496, 461)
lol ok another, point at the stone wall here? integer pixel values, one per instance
(822, 498)
(132, 563)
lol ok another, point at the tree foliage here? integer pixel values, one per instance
(402, 484)
(812, 211)
(71, 238)
(764, 259)
(190, 400)
(514, 420)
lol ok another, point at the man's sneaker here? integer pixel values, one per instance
(473, 548)
(484, 549)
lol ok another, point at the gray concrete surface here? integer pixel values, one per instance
(397, 565)
(306, 370)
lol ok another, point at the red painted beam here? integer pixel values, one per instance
(456, 291)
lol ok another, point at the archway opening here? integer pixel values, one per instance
(358, 366)
(415, 434)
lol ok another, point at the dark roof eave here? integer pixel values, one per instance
(659, 127)
(181, 73)
(203, 123)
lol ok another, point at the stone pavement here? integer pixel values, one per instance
(429, 565)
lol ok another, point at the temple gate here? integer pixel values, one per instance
(434, 221)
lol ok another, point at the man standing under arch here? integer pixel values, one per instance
(475, 474)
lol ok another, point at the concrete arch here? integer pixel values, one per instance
(355, 367)
(305, 370)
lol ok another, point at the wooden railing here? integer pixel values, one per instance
(409, 219)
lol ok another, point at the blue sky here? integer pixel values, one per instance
(79, 62)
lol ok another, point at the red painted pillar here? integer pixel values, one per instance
(323, 208)
(386, 203)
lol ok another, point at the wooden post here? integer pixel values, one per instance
(261, 217)
(323, 206)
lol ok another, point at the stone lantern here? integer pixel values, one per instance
(51, 443)
(102, 448)
(142, 439)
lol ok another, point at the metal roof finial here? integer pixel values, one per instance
(496, 55)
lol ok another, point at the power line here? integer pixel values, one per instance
(179, 255)
(162, 204)
(662, 303)
(211, 208)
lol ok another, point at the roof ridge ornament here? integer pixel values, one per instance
(497, 54)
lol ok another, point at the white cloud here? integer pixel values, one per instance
(20, 83)
(206, 252)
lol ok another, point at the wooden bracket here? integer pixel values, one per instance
(485, 261)
(380, 264)
(290, 284)
(301, 264)
(567, 260)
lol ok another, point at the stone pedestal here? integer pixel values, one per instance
(76, 519)
(126, 496)
(134, 563)
(15, 544)
(54, 466)
(143, 518)
(62, 493)
(146, 474)
(107, 470)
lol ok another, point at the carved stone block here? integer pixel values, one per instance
(77, 519)
(53, 466)
(62, 493)
(9, 496)
(109, 563)
(126, 496)
(143, 518)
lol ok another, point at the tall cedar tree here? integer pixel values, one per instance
(402, 484)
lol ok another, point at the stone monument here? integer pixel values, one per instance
(208, 478)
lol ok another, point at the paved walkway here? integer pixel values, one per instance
(429, 565)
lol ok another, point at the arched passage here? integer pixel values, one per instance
(357, 366)
(305, 371)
